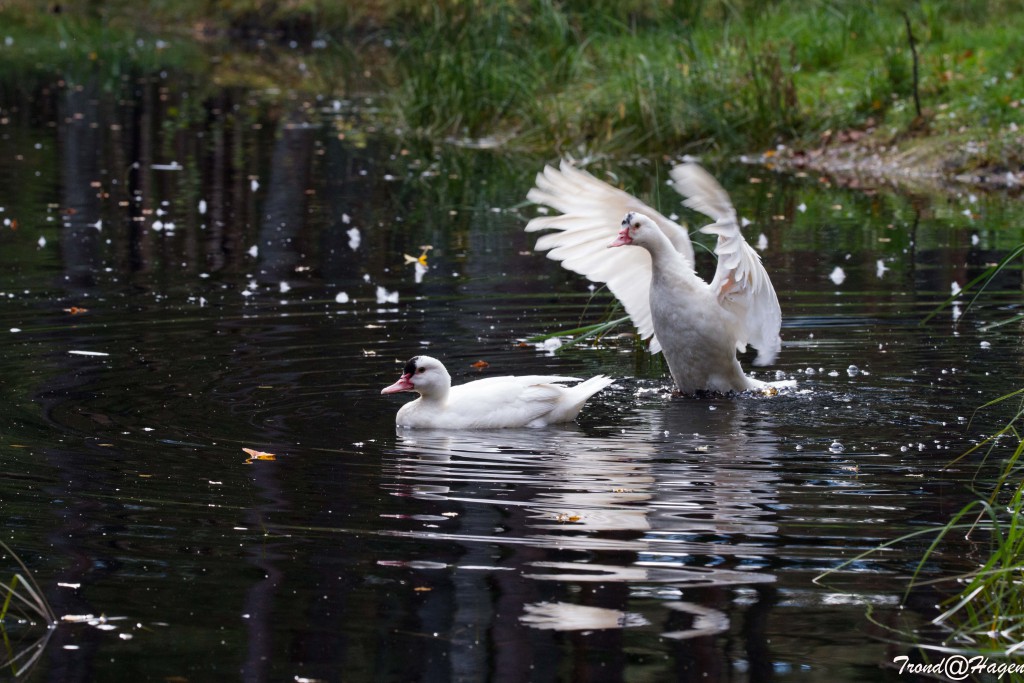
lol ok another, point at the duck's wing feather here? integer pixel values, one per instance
(591, 212)
(741, 282)
(509, 400)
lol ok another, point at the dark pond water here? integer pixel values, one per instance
(171, 293)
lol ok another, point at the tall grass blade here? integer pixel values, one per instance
(983, 280)
(26, 597)
(36, 601)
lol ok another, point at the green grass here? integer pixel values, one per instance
(23, 602)
(734, 75)
(976, 287)
(985, 613)
(575, 76)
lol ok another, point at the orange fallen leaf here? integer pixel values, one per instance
(422, 258)
(14, 224)
(75, 310)
(258, 455)
(481, 364)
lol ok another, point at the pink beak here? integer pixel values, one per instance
(622, 239)
(404, 383)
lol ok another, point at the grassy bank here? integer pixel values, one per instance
(738, 76)
(609, 77)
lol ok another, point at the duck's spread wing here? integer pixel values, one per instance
(741, 282)
(591, 211)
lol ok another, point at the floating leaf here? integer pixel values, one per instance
(422, 258)
(258, 455)
(481, 364)
(75, 310)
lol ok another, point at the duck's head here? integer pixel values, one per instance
(635, 228)
(422, 374)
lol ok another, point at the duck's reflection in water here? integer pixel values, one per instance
(667, 528)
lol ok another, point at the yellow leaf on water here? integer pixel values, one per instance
(258, 455)
(421, 259)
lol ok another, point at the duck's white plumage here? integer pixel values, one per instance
(699, 326)
(490, 403)
(590, 210)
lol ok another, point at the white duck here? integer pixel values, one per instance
(490, 403)
(698, 326)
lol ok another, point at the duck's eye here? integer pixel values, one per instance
(420, 371)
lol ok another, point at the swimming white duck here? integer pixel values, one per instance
(698, 326)
(490, 403)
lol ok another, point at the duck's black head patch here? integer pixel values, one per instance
(410, 366)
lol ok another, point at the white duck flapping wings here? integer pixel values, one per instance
(590, 213)
(490, 403)
(698, 326)
(741, 282)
